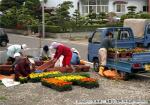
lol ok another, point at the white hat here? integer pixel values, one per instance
(24, 46)
(17, 55)
(54, 45)
(75, 50)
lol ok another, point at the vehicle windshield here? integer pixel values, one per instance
(2, 32)
(96, 38)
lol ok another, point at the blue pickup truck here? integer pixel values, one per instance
(122, 38)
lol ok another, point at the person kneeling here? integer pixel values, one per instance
(21, 66)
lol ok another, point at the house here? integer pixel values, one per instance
(117, 6)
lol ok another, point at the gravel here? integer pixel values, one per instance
(137, 88)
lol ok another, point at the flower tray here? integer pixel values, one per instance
(23, 79)
(88, 83)
(56, 84)
(36, 77)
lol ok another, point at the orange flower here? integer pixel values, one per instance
(56, 81)
(88, 80)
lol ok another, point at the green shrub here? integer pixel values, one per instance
(53, 29)
(48, 28)
(93, 27)
(145, 16)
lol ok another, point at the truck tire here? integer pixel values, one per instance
(96, 65)
(3, 43)
(125, 75)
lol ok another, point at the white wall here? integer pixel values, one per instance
(138, 3)
(54, 3)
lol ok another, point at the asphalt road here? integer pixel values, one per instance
(136, 89)
(34, 42)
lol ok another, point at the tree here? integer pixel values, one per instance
(131, 9)
(91, 16)
(25, 18)
(62, 14)
(7, 4)
(77, 17)
(102, 16)
(9, 18)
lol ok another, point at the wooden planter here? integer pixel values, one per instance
(6, 69)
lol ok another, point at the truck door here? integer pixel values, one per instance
(94, 45)
(123, 38)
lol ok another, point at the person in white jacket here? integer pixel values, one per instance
(16, 48)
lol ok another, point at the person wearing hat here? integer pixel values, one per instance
(21, 66)
(105, 45)
(62, 50)
(75, 57)
(16, 48)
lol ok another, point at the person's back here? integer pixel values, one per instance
(11, 50)
(75, 59)
(106, 43)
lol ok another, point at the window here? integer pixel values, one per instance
(145, 8)
(104, 2)
(92, 2)
(85, 9)
(96, 5)
(124, 35)
(96, 37)
(120, 7)
(2, 32)
(148, 29)
(85, 2)
(102, 9)
(92, 8)
(78, 6)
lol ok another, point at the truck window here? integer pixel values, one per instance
(96, 37)
(124, 35)
(1, 32)
(148, 29)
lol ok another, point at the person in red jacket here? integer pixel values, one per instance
(62, 50)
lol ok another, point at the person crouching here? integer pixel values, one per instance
(21, 66)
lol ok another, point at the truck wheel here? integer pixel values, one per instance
(3, 43)
(125, 75)
(96, 65)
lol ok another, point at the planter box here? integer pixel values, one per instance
(56, 84)
(88, 83)
(6, 69)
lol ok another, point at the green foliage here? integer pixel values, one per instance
(9, 19)
(136, 16)
(131, 9)
(77, 17)
(145, 15)
(93, 27)
(25, 18)
(48, 28)
(62, 17)
(102, 16)
(8, 4)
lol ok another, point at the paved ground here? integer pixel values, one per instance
(34, 42)
(137, 89)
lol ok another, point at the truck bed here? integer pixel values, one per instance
(126, 64)
(139, 39)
